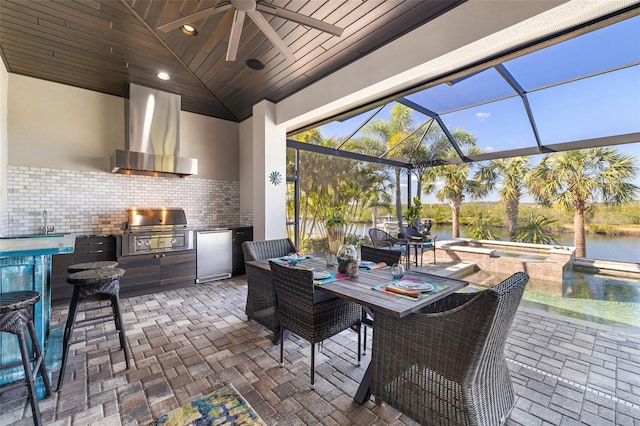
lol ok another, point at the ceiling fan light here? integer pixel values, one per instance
(189, 30)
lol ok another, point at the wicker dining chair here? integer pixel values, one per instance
(310, 313)
(445, 365)
(261, 295)
(384, 240)
(380, 255)
(419, 240)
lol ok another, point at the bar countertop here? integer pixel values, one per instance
(37, 245)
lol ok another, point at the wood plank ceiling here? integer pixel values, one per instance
(105, 45)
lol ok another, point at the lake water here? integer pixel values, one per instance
(619, 248)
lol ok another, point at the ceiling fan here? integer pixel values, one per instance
(253, 9)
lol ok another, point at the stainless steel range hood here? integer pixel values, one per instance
(152, 142)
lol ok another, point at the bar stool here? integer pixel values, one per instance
(16, 313)
(87, 266)
(93, 284)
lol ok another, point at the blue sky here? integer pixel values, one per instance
(586, 87)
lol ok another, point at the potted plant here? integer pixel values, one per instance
(335, 225)
(412, 216)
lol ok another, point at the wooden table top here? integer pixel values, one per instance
(359, 289)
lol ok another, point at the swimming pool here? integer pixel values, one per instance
(595, 297)
(520, 255)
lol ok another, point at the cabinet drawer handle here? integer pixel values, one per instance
(96, 244)
(95, 251)
(240, 233)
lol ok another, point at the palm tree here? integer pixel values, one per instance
(533, 229)
(480, 227)
(511, 174)
(457, 182)
(574, 179)
(396, 132)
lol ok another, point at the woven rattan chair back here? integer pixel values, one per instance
(410, 231)
(380, 238)
(295, 306)
(446, 364)
(426, 241)
(267, 249)
(380, 255)
(302, 312)
(261, 296)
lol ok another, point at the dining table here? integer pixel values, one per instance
(369, 289)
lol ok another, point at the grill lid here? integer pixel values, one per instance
(146, 218)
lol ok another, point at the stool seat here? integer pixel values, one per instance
(16, 315)
(102, 264)
(95, 276)
(15, 300)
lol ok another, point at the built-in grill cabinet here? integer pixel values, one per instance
(156, 250)
(148, 273)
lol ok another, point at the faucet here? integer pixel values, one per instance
(46, 229)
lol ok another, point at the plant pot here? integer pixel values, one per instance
(335, 235)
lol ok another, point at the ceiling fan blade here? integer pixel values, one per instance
(194, 17)
(299, 18)
(271, 34)
(221, 31)
(234, 38)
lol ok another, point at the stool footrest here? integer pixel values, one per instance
(92, 321)
(89, 338)
(19, 364)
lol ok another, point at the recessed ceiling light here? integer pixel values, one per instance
(255, 64)
(189, 30)
(163, 76)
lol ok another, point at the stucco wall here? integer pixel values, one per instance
(58, 126)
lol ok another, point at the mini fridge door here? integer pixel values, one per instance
(214, 255)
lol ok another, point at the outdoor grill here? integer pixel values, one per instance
(155, 230)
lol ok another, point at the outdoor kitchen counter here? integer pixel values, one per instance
(25, 264)
(36, 245)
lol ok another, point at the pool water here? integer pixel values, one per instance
(597, 298)
(520, 255)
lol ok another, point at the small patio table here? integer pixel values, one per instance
(360, 290)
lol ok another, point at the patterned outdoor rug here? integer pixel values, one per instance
(223, 407)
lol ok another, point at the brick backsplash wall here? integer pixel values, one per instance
(4, 225)
(93, 202)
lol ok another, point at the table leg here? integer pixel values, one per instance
(364, 390)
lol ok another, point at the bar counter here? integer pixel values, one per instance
(25, 264)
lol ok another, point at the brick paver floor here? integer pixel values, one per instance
(191, 341)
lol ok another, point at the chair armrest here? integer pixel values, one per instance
(400, 241)
(448, 303)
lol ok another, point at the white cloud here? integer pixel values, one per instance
(482, 116)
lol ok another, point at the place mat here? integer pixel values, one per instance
(367, 265)
(407, 293)
(283, 260)
(223, 407)
(335, 276)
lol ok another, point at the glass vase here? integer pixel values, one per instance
(347, 258)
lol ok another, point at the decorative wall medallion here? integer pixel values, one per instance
(275, 178)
